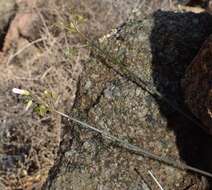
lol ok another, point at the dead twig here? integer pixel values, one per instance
(155, 180)
(45, 73)
(143, 179)
(24, 48)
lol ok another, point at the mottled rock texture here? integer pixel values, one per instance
(7, 11)
(26, 24)
(111, 96)
(197, 85)
(102, 16)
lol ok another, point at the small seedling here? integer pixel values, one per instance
(41, 110)
(40, 103)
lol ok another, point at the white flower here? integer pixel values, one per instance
(20, 91)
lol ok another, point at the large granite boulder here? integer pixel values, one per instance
(197, 85)
(117, 94)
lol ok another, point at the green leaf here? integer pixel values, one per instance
(41, 110)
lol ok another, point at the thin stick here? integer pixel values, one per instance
(45, 73)
(24, 48)
(156, 181)
(135, 149)
(143, 179)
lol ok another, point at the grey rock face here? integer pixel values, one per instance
(153, 52)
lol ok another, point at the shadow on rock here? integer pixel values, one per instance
(175, 40)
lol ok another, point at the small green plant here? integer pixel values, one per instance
(70, 52)
(77, 19)
(41, 110)
(41, 104)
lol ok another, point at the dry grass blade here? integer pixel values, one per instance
(135, 149)
(156, 181)
(24, 48)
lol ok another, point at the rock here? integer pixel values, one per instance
(26, 24)
(111, 96)
(104, 15)
(197, 85)
(101, 16)
(7, 11)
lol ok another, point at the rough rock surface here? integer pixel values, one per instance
(26, 23)
(111, 97)
(7, 11)
(101, 16)
(197, 85)
(28, 143)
